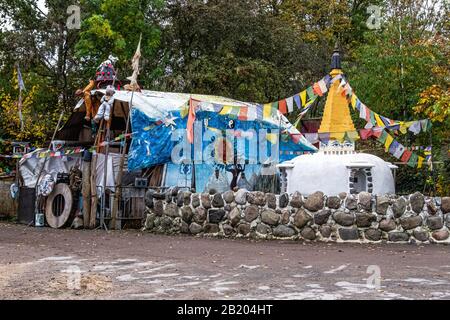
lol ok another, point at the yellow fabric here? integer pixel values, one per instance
(267, 111)
(354, 101)
(87, 99)
(336, 118)
(420, 162)
(303, 98)
(388, 142)
(380, 123)
(226, 110)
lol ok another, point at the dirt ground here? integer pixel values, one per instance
(44, 263)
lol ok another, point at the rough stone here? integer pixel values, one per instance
(195, 200)
(283, 200)
(421, 235)
(445, 204)
(344, 219)
(308, 233)
(180, 198)
(241, 196)
(365, 201)
(387, 225)
(184, 227)
(431, 206)
(325, 231)
(399, 207)
(256, 198)
(334, 202)
(235, 216)
(382, 204)
(296, 200)
(158, 196)
(244, 228)
(187, 198)
(149, 198)
(285, 214)
(227, 229)
(172, 210)
(350, 202)
(228, 196)
(314, 202)
(195, 228)
(301, 218)
(321, 217)
(211, 228)
(373, 234)
(186, 214)
(398, 236)
(206, 201)
(270, 217)
(149, 221)
(217, 201)
(365, 219)
(77, 223)
(342, 195)
(408, 223)
(158, 208)
(271, 200)
(283, 231)
(440, 235)
(199, 215)
(435, 223)
(417, 202)
(262, 228)
(349, 233)
(166, 223)
(215, 215)
(251, 213)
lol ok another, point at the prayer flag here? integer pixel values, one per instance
(282, 106)
(243, 113)
(303, 98)
(267, 111)
(290, 104)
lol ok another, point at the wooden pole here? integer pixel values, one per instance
(86, 190)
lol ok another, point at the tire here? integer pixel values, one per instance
(58, 207)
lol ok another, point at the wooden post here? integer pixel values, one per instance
(86, 191)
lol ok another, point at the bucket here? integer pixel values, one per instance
(39, 220)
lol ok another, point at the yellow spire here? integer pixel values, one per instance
(336, 116)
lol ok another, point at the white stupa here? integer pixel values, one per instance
(337, 167)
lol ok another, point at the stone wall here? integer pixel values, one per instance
(8, 207)
(344, 218)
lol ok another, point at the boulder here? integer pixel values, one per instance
(421, 235)
(180, 198)
(158, 207)
(283, 200)
(149, 221)
(211, 228)
(435, 223)
(186, 214)
(199, 215)
(342, 195)
(241, 196)
(172, 210)
(296, 200)
(417, 202)
(235, 216)
(410, 222)
(251, 213)
(227, 229)
(445, 204)
(187, 198)
(322, 216)
(301, 218)
(431, 206)
(399, 207)
(314, 202)
(365, 219)
(283, 231)
(334, 202)
(77, 223)
(149, 198)
(365, 201)
(262, 228)
(387, 225)
(348, 233)
(285, 214)
(350, 202)
(195, 200)
(344, 219)
(195, 228)
(184, 227)
(382, 203)
(166, 223)
(308, 233)
(244, 228)
(215, 215)
(398, 236)
(325, 231)
(206, 200)
(271, 200)
(228, 196)
(440, 235)
(372, 234)
(217, 201)
(270, 217)
(257, 198)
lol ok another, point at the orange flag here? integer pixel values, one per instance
(282, 106)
